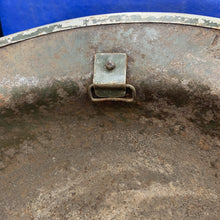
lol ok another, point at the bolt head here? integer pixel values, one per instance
(110, 65)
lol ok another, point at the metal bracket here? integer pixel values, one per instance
(109, 80)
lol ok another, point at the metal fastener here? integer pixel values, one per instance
(110, 65)
(109, 82)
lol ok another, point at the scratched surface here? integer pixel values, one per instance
(64, 157)
(161, 58)
(115, 18)
(79, 160)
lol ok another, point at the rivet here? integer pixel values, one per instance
(110, 65)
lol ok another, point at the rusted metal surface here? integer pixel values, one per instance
(110, 69)
(109, 79)
(130, 92)
(64, 157)
(161, 58)
(80, 160)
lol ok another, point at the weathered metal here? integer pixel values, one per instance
(110, 65)
(65, 157)
(109, 80)
(166, 52)
(110, 92)
(117, 18)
